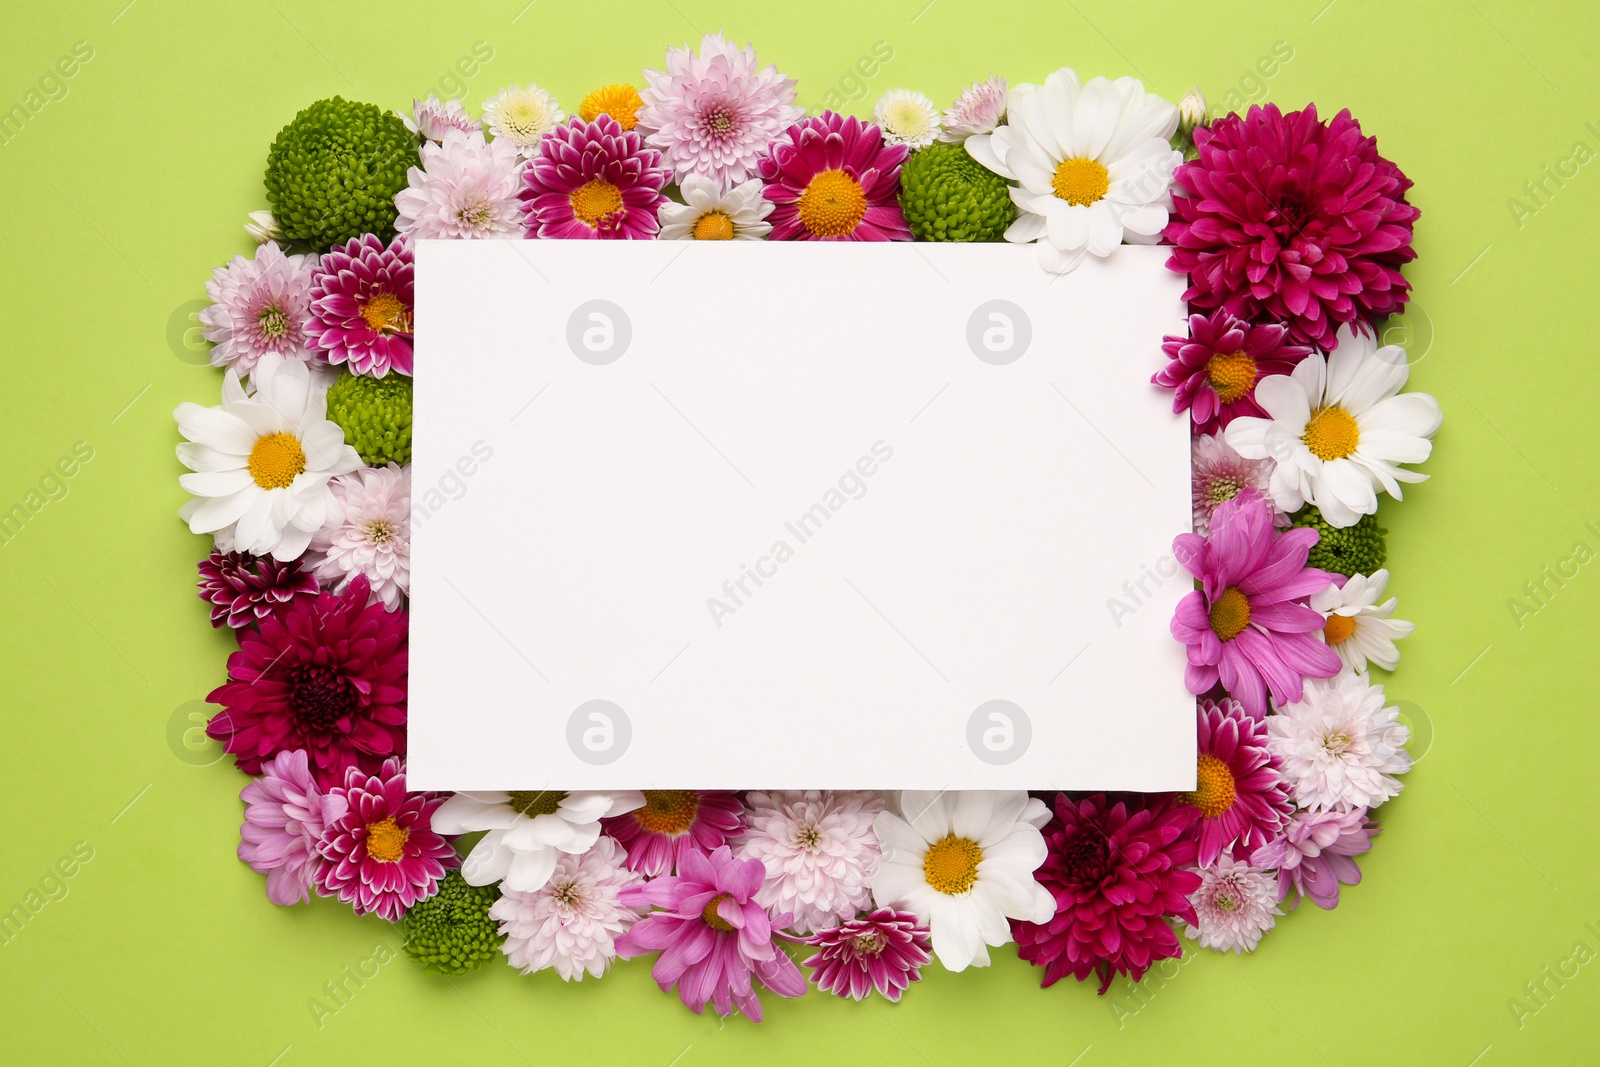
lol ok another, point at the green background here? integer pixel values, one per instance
(118, 199)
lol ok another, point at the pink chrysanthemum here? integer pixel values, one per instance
(832, 178)
(382, 855)
(980, 108)
(466, 189)
(883, 950)
(1218, 474)
(1116, 870)
(1241, 798)
(1235, 905)
(1316, 852)
(819, 850)
(593, 180)
(714, 939)
(361, 306)
(327, 674)
(284, 815)
(1214, 370)
(433, 117)
(674, 823)
(1290, 219)
(714, 114)
(242, 588)
(372, 539)
(573, 922)
(1246, 625)
(259, 305)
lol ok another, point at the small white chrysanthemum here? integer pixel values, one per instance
(906, 117)
(528, 831)
(1340, 747)
(522, 116)
(1359, 628)
(981, 108)
(708, 214)
(262, 227)
(373, 537)
(432, 117)
(1235, 904)
(466, 188)
(572, 924)
(819, 850)
(1192, 110)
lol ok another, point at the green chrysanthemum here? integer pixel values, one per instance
(1358, 549)
(333, 172)
(947, 196)
(451, 932)
(375, 415)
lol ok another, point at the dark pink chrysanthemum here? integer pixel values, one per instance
(327, 674)
(382, 855)
(1246, 626)
(361, 306)
(884, 950)
(673, 823)
(712, 935)
(1316, 852)
(1241, 798)
(833, 178)
(1116, 870)
(242, 588)
(1285, 218)
(1214, 370)
(593, 180)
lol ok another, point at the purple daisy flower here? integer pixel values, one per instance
(361, 306)
(1213, 372)
(884, 950)
(593, 180)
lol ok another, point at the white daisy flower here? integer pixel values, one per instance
(522, 116)
(1092, 162)
(1359, 628)
(964, 863)
(529, 831)
(906, 117)
(262, 459)
(1340, 747)
(1339, 429)
(708, 214)
(1235, 905)
(465, 189)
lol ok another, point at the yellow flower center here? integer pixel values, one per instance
(386, 842)
(596, 200)
(713, 226)
(1213, 791)
(832, 205)
(1081, 181)
(276, 459)
(1338, 628)
(1230, 614)
(621, 102)
(523, 119)
(1332, 433)
(709, 913)
(1231, 375)
(951, 864)
(668, 811)
(386, 314)
(272, 322)
(536, 802)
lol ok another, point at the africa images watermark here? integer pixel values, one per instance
(54, 885)
(52, 88)
(53, 485)
(1539, 591)
(1539, 193)
(1540, 992)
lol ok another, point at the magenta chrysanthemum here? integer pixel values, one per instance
(260, 305)
(1116, 870)
(1213, 372)
(832, 178)
(242, 588)
(361, 306)
(593, 180)
(1241, 798)
(884, 950)
(1246, 626)
(1316, 852)
(714, 939)
(381, 855)
(1290, 219)
(284, 815)
(327, 674)
(673, 823)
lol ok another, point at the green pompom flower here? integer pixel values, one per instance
(451, 932)
(375, 415)
(948, 196)
(1358, 549)
(333, 172)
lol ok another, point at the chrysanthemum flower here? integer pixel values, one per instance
(259, 305)
(1213, 372)
(1340, 746)
(714, 939)
(380, 855)
(1358, 627)
(1245, 626)
(818, 848)
(572, 923)
(452, 931)
(980, 108)
(906, 117)
(1359, 549)
(622, 102)
(1291, 220)
(883, 950)
(709, 214)
(673, 823)
(373, 539)
(833, 179)
(1218, 474)
(361, 306)
(284, 816)
(1235, 905)
(1239, 794)
(528, 831)
(964, 863)
(242, 588)
(1316, 852)
(593, 180)
(465, 189)
(432, 118)
(714, 114)
(522, 117)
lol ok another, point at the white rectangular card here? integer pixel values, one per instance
(794, 515)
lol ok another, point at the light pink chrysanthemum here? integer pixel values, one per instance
(1340, 746)
(884, 950)
(1218, 474)
(373, 537)
(260, 305)
(361, 306)
(466, 188)
(593, 180)
(381, 855)
(1235, 904)
(573, 923)
(284, 816)
(980, 108)
(1316, 852)
(819, 850)
(832, 178)
(673, 823)
(714, 114)
(433, 118)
